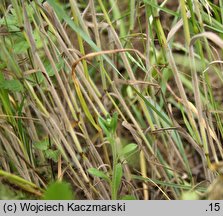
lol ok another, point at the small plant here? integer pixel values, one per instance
(109, 126)
(58, 191)
(66, 66)
(44, 146)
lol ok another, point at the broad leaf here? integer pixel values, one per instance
(11, 85)
(58, 191)
(116, 180)
(52, 154)
(98, 173)
(128, 149)
(42, 145)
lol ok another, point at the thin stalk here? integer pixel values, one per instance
(98, 42)
(79, 38)
(185, 22)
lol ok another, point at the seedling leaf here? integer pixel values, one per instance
(98, 173)
(42, 145)
(116, 180)
(128, 149)
(58, 191)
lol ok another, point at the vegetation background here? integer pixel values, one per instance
(111, 99)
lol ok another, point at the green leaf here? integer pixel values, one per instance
(11, 85)
(98, 173)
(1, 75)
(35, 79)
(58, 191)
(150, 104)
(114, 122)
(109, 124)
(52, 154)
(49, 68)
(128, 197)
(142, 67)
(9, 21)
(42, 145)
(128, 149)
(116, 180)
(166, 10)
(21, 47)
(2, 66)
(102, 123)
(38, 39)
(190, 195)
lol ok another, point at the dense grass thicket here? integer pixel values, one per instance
(105, 99)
